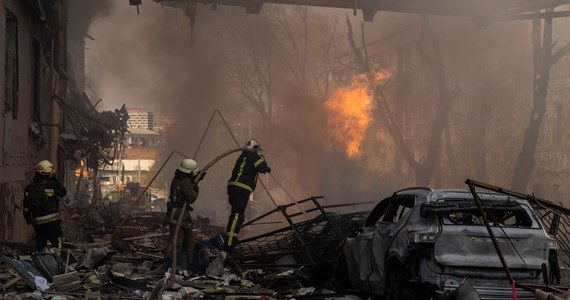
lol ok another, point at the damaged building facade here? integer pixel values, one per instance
(34, 62)
(46, 113)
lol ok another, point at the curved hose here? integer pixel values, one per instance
(203, 171)
(199, 176)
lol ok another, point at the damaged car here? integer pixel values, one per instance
(433, 242)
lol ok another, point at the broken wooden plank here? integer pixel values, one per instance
(155, 257)
(24, 269)
(134, 238)
(10, 283)
(66, 278)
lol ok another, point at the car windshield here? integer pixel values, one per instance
(465, 212)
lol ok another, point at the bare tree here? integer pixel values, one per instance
(543, 61)
(429, 50)
(295, 43)
(252, 56)
(309, 44)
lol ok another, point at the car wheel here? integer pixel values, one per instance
(395, 279)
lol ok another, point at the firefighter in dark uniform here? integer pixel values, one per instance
(240, 185)
(41, 206)
(182, 189)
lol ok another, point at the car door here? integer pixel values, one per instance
(358, 250)
(385, 236)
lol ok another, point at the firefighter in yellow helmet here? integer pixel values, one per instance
(182, 189)
(240, 185)
(41, 206)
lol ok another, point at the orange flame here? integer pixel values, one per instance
(350, 111)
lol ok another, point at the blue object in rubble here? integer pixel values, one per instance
(214, 243)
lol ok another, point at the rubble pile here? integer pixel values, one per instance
(102, 260)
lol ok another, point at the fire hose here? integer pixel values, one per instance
(199, 176)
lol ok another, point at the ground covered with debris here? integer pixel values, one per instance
(121, 254)
(108, 256)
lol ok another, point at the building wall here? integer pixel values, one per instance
(36, 85)
(142, 153)
(141, 119)
(15, 158)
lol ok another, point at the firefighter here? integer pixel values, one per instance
(182, 189)
(147, 201)
(114, 197)
(240, 186)
(41, 206)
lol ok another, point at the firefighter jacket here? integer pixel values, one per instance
(41, 202)
(182, 189)
(246, 169)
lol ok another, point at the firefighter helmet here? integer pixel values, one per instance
(253, 145)
(44, 167)
(188, 166)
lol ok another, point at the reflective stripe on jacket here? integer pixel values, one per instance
(46, 219)
(246, 169)
(41, 203)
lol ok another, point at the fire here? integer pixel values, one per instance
(350, 111)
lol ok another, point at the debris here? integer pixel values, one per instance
(130, 283)
(10, 283)
(24, 269)
(275, 264)
(66, 282)
(47, 263)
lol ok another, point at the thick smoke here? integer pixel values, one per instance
(83, 12)
(148, 61)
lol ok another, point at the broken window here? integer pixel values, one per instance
(466, 212)
(511, 218)
(398, 210)
(11, 65)
(391, 210)
(36, 108)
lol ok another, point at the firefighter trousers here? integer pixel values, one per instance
(238, 198)
(49, 231)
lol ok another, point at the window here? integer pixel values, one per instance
(391, 210)
(509, 214)
(11, 65)
(397, 210)
(36, 108)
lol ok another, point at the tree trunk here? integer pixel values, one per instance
(542, 61)
(435, 63)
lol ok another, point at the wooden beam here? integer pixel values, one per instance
(10, 283)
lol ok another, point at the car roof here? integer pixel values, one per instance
(431, 195)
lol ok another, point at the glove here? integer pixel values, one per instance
(268, 170)
(202, 175)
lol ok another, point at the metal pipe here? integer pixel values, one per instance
(541, 201)
(471, 185)
(144, 191)
(289, 195)
(489, 230)
(284, 212)
(333, 224)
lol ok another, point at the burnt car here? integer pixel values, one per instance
(431, 241)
